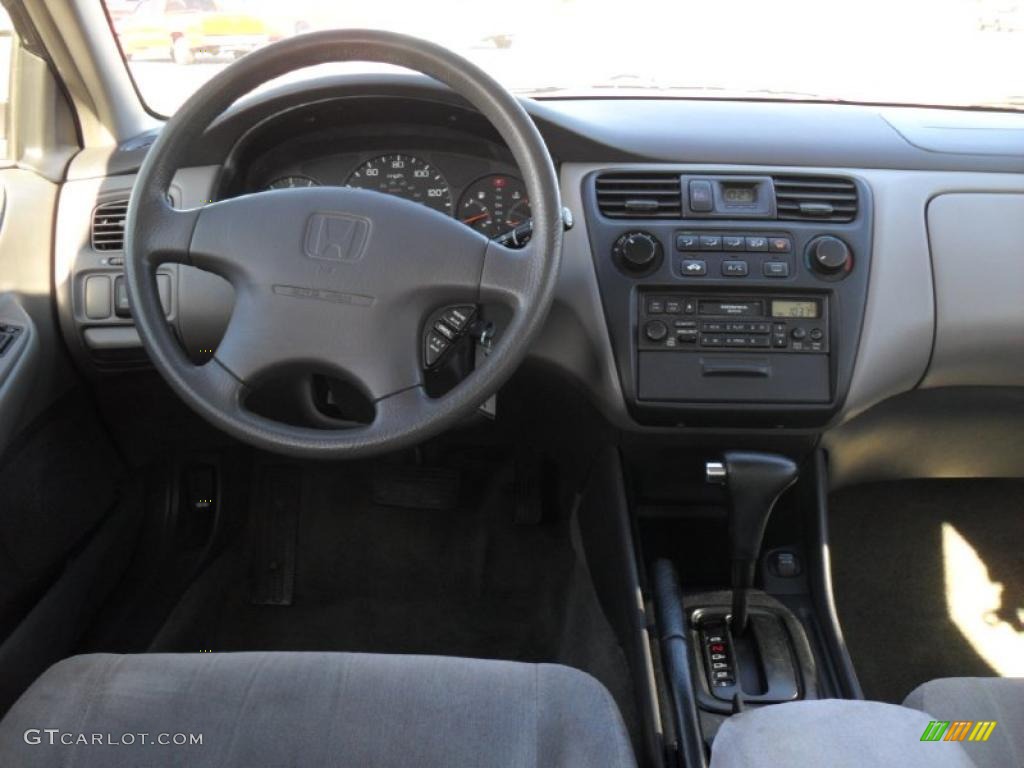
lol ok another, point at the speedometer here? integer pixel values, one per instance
(405, 176)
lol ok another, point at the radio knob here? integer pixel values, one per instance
(656, 330)
(829, 254)
(638, 251)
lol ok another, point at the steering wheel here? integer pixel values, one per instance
(337, 279)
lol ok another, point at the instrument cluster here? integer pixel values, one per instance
(470, 189)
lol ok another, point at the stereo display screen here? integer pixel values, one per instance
(793, 308)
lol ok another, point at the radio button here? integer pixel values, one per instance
(693, 268)
(798, 334)
(710, 243)
(655, 307)
(757, 243)
(737, 327)
(780, 340)
(734, 268)
(712, 340)
(686, 242)
(760, 327)
(737, 341)
(816, 334)
(776, 269)
(713, 327)
(733, 242)
(689, 307)
(780, 244)
(758, 341)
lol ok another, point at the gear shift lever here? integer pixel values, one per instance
(755, 482)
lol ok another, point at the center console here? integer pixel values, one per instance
(731, 299)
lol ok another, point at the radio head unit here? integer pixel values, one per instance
(774, 323)
(766, 348)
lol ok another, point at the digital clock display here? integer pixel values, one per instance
(792, 308)
(739, 195)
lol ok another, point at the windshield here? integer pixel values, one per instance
(922, 52)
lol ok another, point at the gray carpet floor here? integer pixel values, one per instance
(462, 581)
(889, 575)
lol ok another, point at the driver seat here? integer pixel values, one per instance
(313, 709)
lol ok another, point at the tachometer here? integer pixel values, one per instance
(290, 182)
(495, 204)
(405, 176)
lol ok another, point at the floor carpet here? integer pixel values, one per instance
(902, 555)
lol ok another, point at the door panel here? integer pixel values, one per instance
(34, 370)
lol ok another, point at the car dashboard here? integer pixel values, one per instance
(772, 268)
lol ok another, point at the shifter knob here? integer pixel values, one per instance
(755, 481)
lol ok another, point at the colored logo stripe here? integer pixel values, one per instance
(958, 730)
(982, 730)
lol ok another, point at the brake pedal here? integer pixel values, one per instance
(415, 487)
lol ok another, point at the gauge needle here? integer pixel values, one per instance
(478, 217)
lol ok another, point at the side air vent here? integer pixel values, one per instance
(108, 226)
(639, 195)
(815, 198)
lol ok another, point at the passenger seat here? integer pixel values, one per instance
(843, 734)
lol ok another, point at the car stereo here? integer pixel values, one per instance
(729, 347)
(773, 323)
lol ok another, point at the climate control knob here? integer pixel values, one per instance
(829, 255)
(638, 251)
(656, 330)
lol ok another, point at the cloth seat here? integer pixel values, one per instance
(834, 733)
(844, 734)
(312, 709)
(998, 699)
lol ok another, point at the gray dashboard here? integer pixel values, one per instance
(946, 208)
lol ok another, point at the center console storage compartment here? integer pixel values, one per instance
(717, 377)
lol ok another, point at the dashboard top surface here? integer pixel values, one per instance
(657, 130)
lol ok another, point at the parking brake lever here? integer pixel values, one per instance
(755, 482)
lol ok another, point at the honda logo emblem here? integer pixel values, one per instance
(336, 236)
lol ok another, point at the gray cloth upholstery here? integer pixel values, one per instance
(834, 733)
(979, 698)
(316, 709)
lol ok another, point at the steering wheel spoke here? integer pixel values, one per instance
(168, 235)
(510, 275)
(224, 391)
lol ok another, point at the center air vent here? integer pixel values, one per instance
(815, 198)
(639, 195)
(108, 226)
